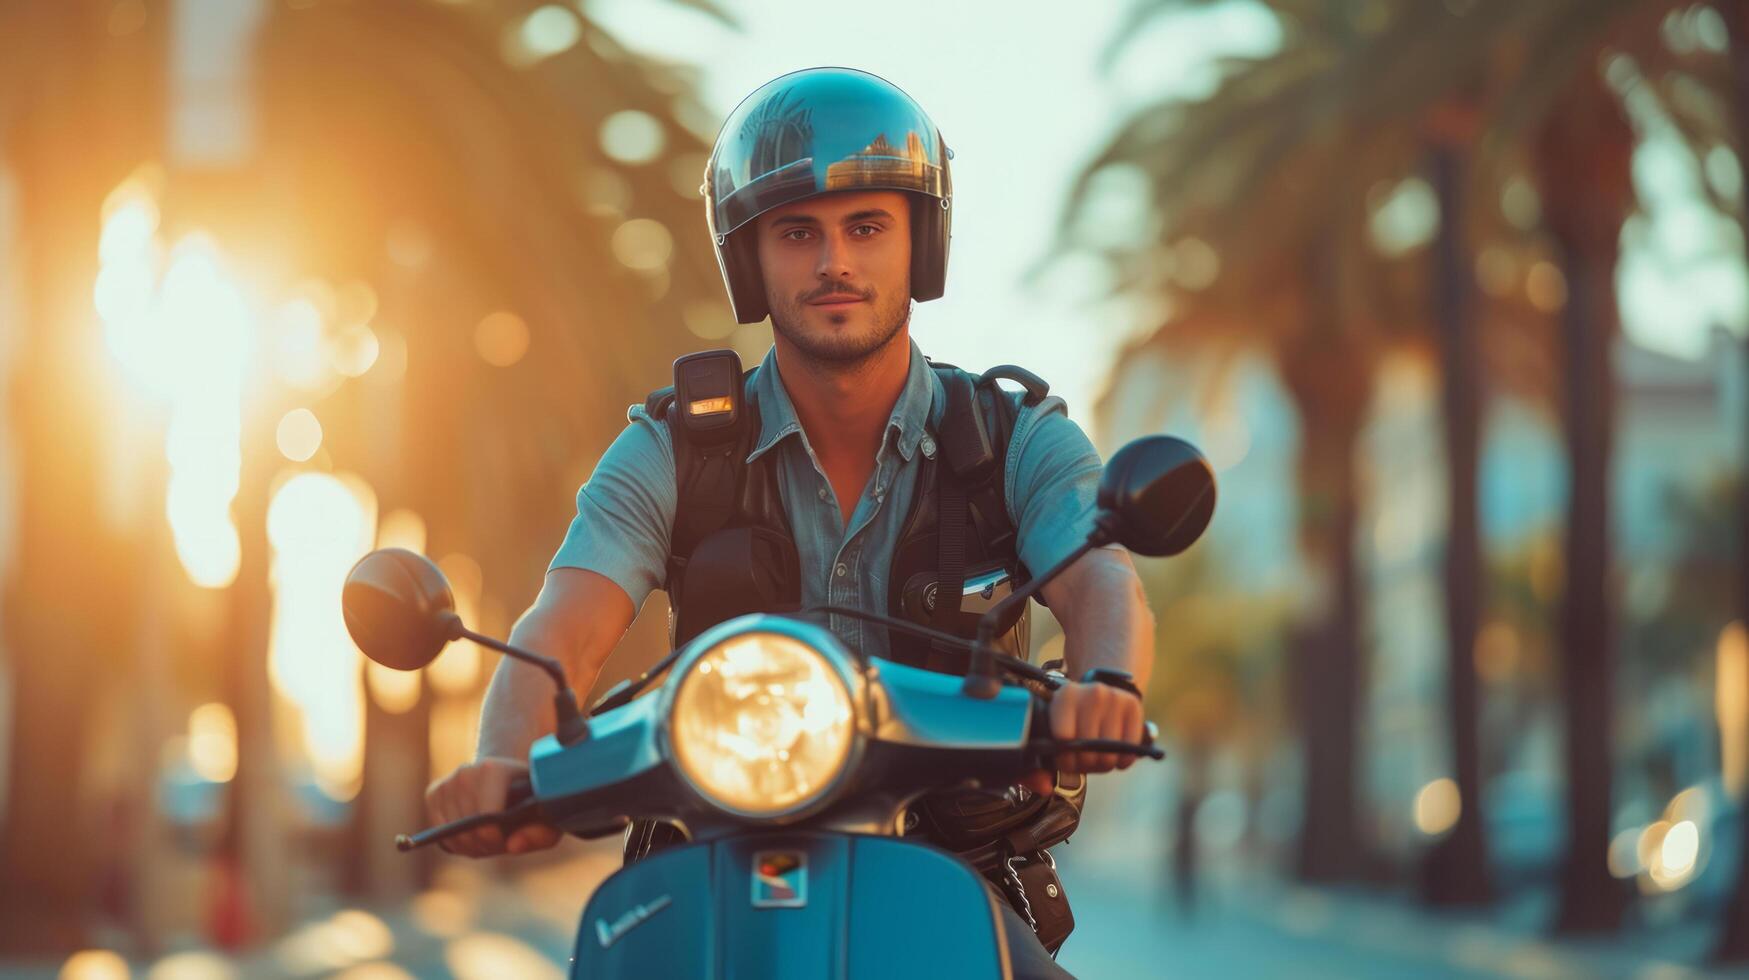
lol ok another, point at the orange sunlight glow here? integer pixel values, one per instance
(212, 742)
(319, 525)
(184, 339)
(205, 325)
(396, 691)
(1731, 704)
(457, 669)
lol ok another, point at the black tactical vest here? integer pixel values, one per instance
(731, 551)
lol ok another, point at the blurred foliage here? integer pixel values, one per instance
(409, 126)
(1218, 670)
(1700, 590)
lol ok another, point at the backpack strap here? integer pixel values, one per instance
(1036, 387)
(708, 476)
(975, 430)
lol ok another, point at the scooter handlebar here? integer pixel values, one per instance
(1045, 747)
(519, 808)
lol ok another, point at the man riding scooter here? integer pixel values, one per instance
(854, 473)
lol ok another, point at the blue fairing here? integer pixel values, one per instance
(875, 907)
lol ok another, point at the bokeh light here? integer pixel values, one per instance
(212, 742)
(1731, 706)
(501, 338)
(194, 964)
(299, 435)
(207, 327)
(457, 669)
(490, 955)
(354, 350)
(545, 32)
(299, 350)
(633, 137)
(1546, 287)
(94, 964)
(643, 244)
(1437, 806)
(319, 525)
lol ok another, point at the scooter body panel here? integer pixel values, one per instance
(793, 905)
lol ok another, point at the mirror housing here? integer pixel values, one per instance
(399, 608)
(1157, 496)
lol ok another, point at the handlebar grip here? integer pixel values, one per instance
(520, 809)
(1045, 746)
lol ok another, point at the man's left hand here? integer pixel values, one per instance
(1090, 711)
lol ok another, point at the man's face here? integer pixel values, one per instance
(837, 271)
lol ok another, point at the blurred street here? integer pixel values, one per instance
(1127, 925)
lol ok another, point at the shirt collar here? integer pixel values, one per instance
(908, 426)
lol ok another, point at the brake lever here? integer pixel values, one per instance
(1144, 748)
(520, 808)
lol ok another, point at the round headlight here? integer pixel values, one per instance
(761, 724)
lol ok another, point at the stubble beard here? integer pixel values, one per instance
(841, 349)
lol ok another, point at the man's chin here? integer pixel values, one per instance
(844, 336)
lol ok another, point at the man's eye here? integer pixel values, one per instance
(793, 232)
(872, 229)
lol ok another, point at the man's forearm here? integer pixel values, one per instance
(577, 620)
(1105, 617)
(518, 708)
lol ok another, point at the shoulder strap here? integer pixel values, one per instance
(707, 478)
(974, 434)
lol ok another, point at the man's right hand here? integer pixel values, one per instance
(480, 787)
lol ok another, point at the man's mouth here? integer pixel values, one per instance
(836, 299)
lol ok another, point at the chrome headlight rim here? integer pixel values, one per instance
(843, 666)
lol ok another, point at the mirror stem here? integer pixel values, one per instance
(981, 680)
(573, 727)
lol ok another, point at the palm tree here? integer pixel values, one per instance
(497, 165)
(398, 145)
(1733, 943)
(1254, 170)
(70, 598)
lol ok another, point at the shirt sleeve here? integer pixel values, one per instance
(625, 511)
(1052, 480)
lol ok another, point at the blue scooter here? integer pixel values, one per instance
(789, 761)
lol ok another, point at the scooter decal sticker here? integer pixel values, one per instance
(608, 933)
(780, 879)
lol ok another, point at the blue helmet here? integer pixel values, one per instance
(813, 132)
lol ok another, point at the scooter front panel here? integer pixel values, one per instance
(919, 912)
(789, 906)
(653, 919)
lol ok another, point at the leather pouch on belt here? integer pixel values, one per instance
(1050, 904)
(963, 818)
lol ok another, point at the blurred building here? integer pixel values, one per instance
(1679, 429)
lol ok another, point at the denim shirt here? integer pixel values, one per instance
(625, 511)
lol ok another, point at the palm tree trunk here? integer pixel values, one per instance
(80, 118)
(254, 900)
(1582, 156)
(1455, 871)
(1331, 387)
(1733, 943)
(1591, 900)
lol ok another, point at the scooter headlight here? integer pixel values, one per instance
(762, 724)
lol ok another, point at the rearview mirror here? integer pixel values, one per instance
(1158, 493)
(399, 609)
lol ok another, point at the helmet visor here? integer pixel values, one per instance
(818, 131)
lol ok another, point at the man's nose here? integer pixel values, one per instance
(834, 260)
